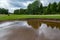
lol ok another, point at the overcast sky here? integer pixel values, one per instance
(16, 4)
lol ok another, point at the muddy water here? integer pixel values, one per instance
(21, 30)
(37, 22)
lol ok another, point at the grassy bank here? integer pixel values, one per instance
(11, 17)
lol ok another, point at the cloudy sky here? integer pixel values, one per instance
(16, 4)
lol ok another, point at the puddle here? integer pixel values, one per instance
(20, 30)
(49, 33)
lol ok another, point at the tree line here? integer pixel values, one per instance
(36, 8)
(3, 11)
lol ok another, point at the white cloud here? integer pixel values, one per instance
(11, 7)
(4, 4)
(26, 4)
(22, 5)
(46, 2)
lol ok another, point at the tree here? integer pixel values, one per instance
(33, 8)
(36, 8)
(48, 9)
(3, 11)
(39, 3)
(22, 11)
(29, 9)
(58, 8)
(54, 7)
(41, 8)
(16, 11)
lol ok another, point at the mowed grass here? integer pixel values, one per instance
(13, 17)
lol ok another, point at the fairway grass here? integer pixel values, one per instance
(13, 17)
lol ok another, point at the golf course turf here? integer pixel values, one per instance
(13, 17)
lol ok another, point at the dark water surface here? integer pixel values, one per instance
(21, 30)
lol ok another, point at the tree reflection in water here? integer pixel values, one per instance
(20, 30)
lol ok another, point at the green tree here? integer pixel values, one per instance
(41, 9)
(54, 8)
(48, 9)
(17, 11)
(3, 11)
(33, 8)
(22, 11)
(58, 8)
(30, 9)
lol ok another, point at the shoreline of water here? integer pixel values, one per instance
(49, 22)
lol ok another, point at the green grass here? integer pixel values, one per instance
(11, 17)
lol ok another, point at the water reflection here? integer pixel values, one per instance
(20, 30)
(49, 33)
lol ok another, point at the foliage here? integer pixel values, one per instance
(58, 8)
(36, 8)
(3, 11)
